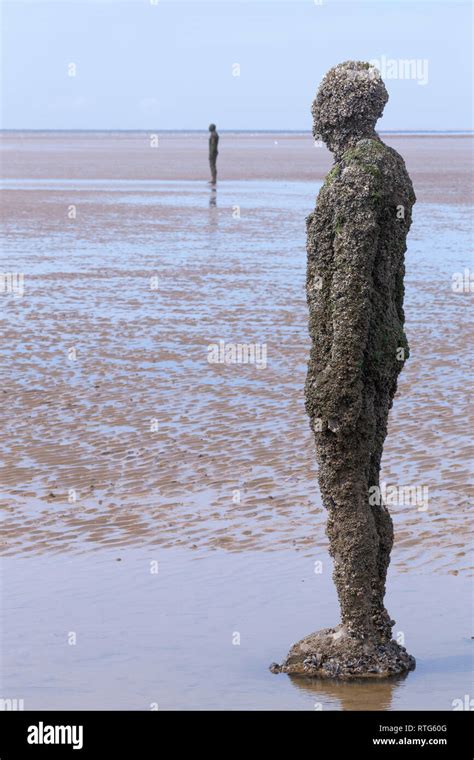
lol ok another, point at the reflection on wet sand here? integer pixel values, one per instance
(350, 695)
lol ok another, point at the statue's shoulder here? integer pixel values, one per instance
(375, 167)
(373, 154)
(361, 169)
(366, 153)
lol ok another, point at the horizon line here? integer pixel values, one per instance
(228, 130)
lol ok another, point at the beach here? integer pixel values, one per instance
(124, 445)
(440, 165)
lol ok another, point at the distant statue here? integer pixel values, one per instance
(213, 152)
(356, 241)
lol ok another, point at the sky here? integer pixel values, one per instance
(250, 64)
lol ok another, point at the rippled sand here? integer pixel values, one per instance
(140, 440)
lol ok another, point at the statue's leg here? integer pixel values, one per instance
(213, 165)
(360, 541)
(354, 543)
(382, 519)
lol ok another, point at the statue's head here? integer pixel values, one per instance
(350, 99)
(212, 127)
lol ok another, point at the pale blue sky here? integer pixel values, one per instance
(168, 65)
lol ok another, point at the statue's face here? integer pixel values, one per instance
(212, 127)
(350, 99)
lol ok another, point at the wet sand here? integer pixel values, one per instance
(140, 444)
(148, 437)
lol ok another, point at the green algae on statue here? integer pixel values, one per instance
(213, 152)
(356, 241)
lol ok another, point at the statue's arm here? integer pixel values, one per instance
(356, 238)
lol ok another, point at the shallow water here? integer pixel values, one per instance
(170, 637)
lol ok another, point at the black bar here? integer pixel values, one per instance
(419, 734)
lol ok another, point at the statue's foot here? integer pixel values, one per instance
(332, 653)
(383, 624)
